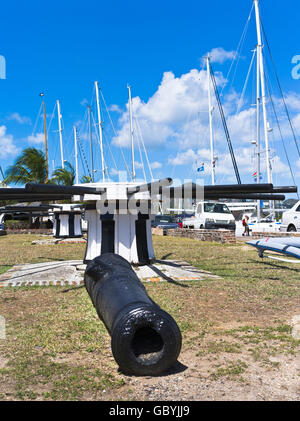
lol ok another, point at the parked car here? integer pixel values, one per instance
(291, 219)
(211, 215)
(181, 217)
(165, 222)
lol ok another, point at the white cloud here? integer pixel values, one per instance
(19, 119)
(7, 146)
(155, 165)
(138, 165)
(36, 139)
(115, 108)
(84, 102)
(184, 158)
(169, 113)
(175, 118)
(219, 55)
(244, 156)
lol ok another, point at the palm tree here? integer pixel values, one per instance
(64, 176)
(85, 179)
(30, 166)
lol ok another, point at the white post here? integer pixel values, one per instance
(76, 156)
(131, 133)
(100, 131)
(263, 93)
(210, 111)
(60, 134)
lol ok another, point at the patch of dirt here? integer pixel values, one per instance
(3, 362)
(193, 381)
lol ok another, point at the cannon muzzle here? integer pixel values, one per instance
(145, 340)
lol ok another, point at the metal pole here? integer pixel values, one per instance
(91, 143)
(263, 93)
(258, 128)
(76, 156)
(131, 132)
(100, 131)
(210, 111)
(60, 134)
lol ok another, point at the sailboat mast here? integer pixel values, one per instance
(46, 145)
(100, 131)
(131, 132)
(263, 96)
(3, 178)
(76, 155)
(258, 128)
(60, 135)
(210, 111)
(91, 143)
(263, 90)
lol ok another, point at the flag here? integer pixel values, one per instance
(255, 176)
(201, 168)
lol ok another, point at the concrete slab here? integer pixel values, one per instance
(59, 273)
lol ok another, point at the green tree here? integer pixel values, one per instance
(30, 166)
(64, 176)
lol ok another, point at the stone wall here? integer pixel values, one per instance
(220, 236)
(258, 235)
(30, 231)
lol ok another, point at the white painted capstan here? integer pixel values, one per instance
(67, 221)
(119, 219)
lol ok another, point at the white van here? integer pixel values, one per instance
(211, 215)
(291, 219)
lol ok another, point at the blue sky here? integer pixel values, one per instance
(62, 47)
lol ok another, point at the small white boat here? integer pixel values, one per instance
(283, 246)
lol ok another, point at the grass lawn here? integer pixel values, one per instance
(56, 347)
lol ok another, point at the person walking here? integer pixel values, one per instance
(245, 223)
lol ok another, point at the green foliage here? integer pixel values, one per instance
(30, 166)
(64, 176)
(85, 179)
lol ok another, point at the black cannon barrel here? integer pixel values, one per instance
(35, 197)
(22, 193)
(42, 208)
(145, 340)
(155, 185)
(25, 209)
(58, 189)
(285, 189)
(240, 188)
(11, 191)
(193, 189)
(253, 196)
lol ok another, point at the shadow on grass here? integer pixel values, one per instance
(166, 256)
(275, 265)
(75, 288)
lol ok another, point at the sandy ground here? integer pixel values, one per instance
(192, 382)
